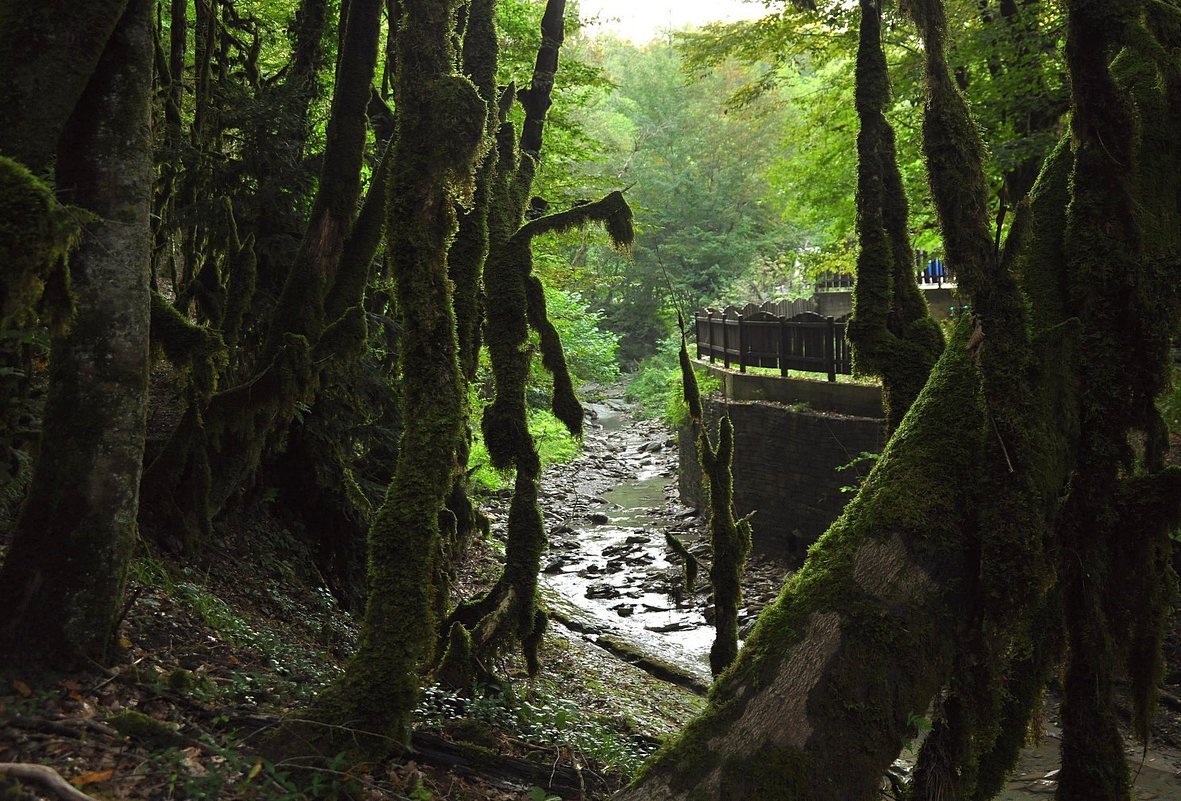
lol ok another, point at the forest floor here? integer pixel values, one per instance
(214, 652)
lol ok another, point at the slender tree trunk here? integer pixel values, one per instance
(62, 585)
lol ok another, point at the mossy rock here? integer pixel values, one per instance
(139, 726)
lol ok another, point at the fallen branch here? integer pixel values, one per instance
(47, 777)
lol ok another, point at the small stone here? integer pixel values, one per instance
(599, 518)
(624, 610)
(555, 566)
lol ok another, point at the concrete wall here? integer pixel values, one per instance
(858, 400)
(835, 302)
(785, 462)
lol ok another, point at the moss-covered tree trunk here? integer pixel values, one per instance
(892, 333)
(61, 586)
(219, 447)
(440, 131)
(47, 58)
(817, 704)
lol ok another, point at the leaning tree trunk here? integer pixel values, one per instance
(862, 636)
(883, 613)
(61, 586)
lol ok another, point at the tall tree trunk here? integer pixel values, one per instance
(440, 132)
(62, 583)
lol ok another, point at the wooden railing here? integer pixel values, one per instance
(756, 336)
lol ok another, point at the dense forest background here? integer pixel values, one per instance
(336, 269)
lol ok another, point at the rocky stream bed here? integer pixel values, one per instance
(610, 577)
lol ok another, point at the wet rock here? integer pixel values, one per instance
(637, 539)
(624, 610)
(602, 591)
(617, 550)
(614, 566)
(592, 570)
(679, 625)
(598, 518)
(562, 528)
(555, 566)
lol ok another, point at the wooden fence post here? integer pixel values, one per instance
(783, 346)
(830, 348)
(741, 344)
(725, 341)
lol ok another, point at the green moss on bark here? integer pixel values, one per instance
(36, 235)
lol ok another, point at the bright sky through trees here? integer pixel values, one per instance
(642, 20)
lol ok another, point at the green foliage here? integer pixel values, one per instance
(705, 213)
(655, 387)
(1008, 63)
(590, 348)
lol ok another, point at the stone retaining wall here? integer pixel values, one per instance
(785, 461)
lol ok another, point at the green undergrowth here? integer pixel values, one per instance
(544, 721)
(280, 667)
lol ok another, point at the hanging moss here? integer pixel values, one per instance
(37, 235)
(616, 217)
(689, 563)
(891, 331)
(196, 349)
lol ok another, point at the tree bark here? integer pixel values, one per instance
(62, 584)
(47, 58)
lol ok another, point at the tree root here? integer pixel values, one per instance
(45, 776)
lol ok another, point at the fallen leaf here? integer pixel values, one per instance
(21, 688)
(254, 771)
(93, 777)
(70, 684)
